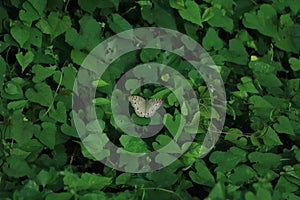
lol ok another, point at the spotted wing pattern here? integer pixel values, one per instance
(152, 106)
(139, 105)
(144, 108)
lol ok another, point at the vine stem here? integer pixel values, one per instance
(51, 105)
(66, 6)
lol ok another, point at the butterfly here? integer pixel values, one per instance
(145, 108)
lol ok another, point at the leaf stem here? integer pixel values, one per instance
(55, 94)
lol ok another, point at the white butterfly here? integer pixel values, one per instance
(145, 108)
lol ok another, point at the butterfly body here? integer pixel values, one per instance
(145, 108)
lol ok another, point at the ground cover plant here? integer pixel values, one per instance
(255, 46)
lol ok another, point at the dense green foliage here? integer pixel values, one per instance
(255, 45)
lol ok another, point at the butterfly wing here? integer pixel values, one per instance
(152, 105)
(139, 105)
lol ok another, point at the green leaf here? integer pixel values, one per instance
(87, 181)
(284, 39)
(292, 172)
(262, 194)
(264, 162)
(236, 52)
(178, 4)
(47, 177)
(242, 174)
(100, 83)
(22, 130)
(78, 56)
(69, 130)
(295, 64)
(163, 140)
(33, 10)
(101, 101)
(148, 55)
(28, 13)
(131, 84)
(48, 135)
(212, 41)
(69, 75)
(247, 85)
(207, 15)
(59, 114)
(265, 21)
(55, 25)
(15, 105)
(270, 138)
(89, 35)
(220, 19)
(285, 186)
(41, 94)
(16, 167)
(175, 125)
(159, 13)
(102, 195)
(193, 153)
(236, 136)
(20, 153)
(162, 178)
(123, 178)
(146, 8)
(297, 152)
(191, 12)
(118, 23)
(36, 37)
(60, 196)
(20, 33)
(41, 73)
(260, 106)
(25, 60)
(202, 175)
(39, 5)
(133, 144)
(94, 143)
(228, 160)
(269, 80)
(13, 90)
(217, 192)
(284, 126)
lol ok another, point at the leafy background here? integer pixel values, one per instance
(254, 43)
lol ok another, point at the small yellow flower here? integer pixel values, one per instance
(165, 77)
(254, 58)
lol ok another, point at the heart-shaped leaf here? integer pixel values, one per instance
(25, 60)
(59, 113)
(20, 34)
(42, 94)
(47, 135)
(191, 12)
(175, 126)
(55, 25)
(284, 126)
